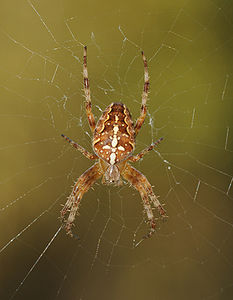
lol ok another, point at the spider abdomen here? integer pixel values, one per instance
(114, 136)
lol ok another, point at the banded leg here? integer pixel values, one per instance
(140, 183)
(80, 148)
(90, 116)
(142, 116)
(140, 155)
(84, 182)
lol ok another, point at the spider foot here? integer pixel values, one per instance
(68, 228)
(149, 234)
(162, 211)
(152, 229)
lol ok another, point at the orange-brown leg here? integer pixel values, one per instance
(84, 182)
(80, 148)
(142, 116)
(140, 155)
(90, 116)
(139, 181)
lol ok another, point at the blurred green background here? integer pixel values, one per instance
(189, 46)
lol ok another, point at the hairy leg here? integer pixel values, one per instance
(80, 148)
(140, 155)
(142, 116)
(140, 183)
(84, 182)
(90, 116)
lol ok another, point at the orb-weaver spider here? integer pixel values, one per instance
(113, 143)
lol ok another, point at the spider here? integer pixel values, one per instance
(113, 143)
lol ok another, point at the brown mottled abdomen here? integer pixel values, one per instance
(113, 139)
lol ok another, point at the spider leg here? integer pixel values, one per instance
(84, 182)
(80, 148)
(140, 183)
(90, 116)
(140, 155)
(142, 116)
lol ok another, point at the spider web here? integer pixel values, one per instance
(188, 45)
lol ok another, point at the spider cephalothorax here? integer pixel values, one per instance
(113, 143)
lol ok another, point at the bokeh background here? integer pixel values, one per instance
(189, 46)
